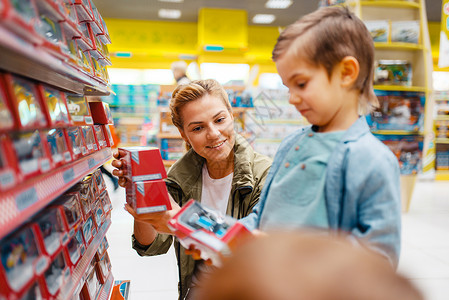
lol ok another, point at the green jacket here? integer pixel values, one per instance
(184, 182)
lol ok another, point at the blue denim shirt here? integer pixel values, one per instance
(362, 190)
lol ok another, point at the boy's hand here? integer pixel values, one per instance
(121, 167)
(158, 220)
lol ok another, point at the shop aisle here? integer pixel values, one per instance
(424, 256)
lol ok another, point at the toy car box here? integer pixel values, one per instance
(57, 144)
(55, 276)
(50, 231)
(75, 248)
(101, 139)
(25, 103)
(76, 142)
(79, 109)
(211, 232)
(89, 138)
(101, 113)
(148, 196)
(143, 163)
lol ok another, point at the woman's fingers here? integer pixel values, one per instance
(122, 181)
(117, 163)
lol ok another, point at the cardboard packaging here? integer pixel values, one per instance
(143, 163)
(148, 196)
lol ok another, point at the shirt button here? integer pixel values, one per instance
(310, 134)
(287, 165)
(296, 148)
(303, 166)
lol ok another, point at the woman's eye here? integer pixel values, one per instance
(220, 120)
(196, 128)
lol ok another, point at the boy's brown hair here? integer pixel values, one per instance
(327, 36)
(304, 266)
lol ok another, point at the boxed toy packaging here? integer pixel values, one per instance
(143, 163)
(211, 232)
(6, 118)
(101, 113)
(55, 106)
(148, 196)
(79, 109)
(8, 163)
(57, 144)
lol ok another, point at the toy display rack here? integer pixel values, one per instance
(27, 198)
(76, 281)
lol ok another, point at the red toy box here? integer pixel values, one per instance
(211, 232)
(143, 163)
(21, 261)
(89, 138)
(75, 248)
(89, 230)
(105, 201)
(103, 268)
(55, 106)
(79, 109)
(148, 196)
(108, 135)
(54, 278)
(6, 117)
(57, 144)
(76, 142)
(101, 139)
(101, 113)
(69, 205)
(31, 153)
(25, 103)
(8, 164)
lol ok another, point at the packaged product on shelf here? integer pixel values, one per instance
(108, 135)
(101, 139)
(84, 10)
(379, 29)
(210, 231)
(405, 31)
(54, 41)
(31, 153)
(76, 142)
(75, 248)
(143, 163)
(89, 229)
(34, 292)
(57, 144)
(101, 113)
(398, 111)
(148, 196)
(87, 43)
(57, 274)
(89, 138)
(21, 17)
(102, 248)
(95, 191)
(55, 106)
(99, 214)
(99, 181)
(103, 268)
(408, 150)
(79, 109)
(442, 129)
(21, 260)
(120, 290)
(8, 164)
(6, 117)
(104, 35)
(49, 230)
(393, 72)
(69, 205)
(91, 286)
(84, 193)
(105, 201)
(24, 103)
(442, 157)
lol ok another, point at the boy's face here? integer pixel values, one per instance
(323, 101)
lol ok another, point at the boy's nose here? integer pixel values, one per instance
(294, 99)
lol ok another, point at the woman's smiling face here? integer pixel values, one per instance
(208, 127)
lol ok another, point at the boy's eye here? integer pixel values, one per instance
(301, 85)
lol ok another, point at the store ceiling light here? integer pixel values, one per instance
(169, 13)
(263, 19)
(172, 1)
(278, 4)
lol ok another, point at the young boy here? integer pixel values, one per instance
(335, 174)
(294, 265)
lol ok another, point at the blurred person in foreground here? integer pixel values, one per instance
(304, 266)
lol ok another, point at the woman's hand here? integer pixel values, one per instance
(121, 167)
(158, 220)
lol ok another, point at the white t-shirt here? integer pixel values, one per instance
(215, 192)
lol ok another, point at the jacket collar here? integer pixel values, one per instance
(359, 128)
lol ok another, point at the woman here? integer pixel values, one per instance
(220, 170)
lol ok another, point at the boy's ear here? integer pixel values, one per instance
(350, 69)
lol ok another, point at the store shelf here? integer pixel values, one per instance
(400, 88)
(441, 141)
(130, 115)
(79, 271)
(24, 59)
(401, 4)
(168, 136)
(27, 198)
(397, 132)
(441, 118)
(106, 289)
(398, 46)
(441, 175)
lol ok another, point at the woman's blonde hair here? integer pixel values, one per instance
(330, 34)
(196, 89)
